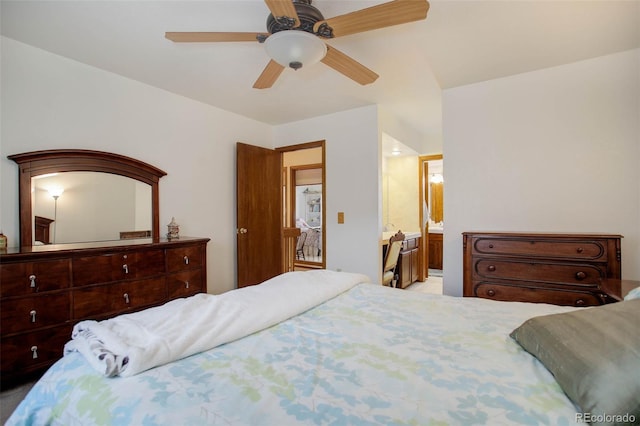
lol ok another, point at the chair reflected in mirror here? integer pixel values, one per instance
(389, 275)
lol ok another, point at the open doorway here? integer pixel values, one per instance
(431, 182)
(306, 208)
(303, 202)
(263, 210)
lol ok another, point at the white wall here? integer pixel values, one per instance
(52, 102)
(353, 184)
(401, 194)
(556, 150)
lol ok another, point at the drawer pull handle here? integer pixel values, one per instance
(580, 302)
(186, 260)
(491, 293)
(126, 298)
(186, 284)
(125, 267)
(580, 250)
(580, 276)
(34, 352)
(491, 268)
(32, 278)
(490, 245)
(33, 315)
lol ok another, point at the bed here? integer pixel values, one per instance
(367, 355)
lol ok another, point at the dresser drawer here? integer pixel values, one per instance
(24, 278)
(74, 282)
(33, 350)
(181, 258)
(117, 266)
(541, 247)
(28, 313)
(112, 299)
(535, 294)
(184, 284)
(550, 272)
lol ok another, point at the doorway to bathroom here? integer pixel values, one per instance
(431, 189)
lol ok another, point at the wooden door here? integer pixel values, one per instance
(258, 214)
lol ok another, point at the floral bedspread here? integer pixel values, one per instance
(371, 356)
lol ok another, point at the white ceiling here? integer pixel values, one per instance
(460, 42)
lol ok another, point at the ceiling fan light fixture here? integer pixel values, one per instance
(295, 48)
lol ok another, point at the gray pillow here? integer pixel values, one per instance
(594, 354)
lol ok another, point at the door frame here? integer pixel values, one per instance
(423, 173)
(291, 213)
(293, 203)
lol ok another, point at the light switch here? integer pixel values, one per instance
(340, 217)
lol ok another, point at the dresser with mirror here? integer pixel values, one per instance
(79, 261)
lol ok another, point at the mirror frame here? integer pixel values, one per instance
(37, 163)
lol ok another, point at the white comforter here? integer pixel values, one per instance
(132, 343)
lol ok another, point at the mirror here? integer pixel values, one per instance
(60, 190)
(435, 195)
(89, 206)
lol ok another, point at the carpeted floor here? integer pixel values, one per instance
(10, 399)
(432, 285)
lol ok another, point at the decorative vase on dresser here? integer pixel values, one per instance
(561, 269)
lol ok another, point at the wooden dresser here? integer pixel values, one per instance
(561, 269)
(45, 290)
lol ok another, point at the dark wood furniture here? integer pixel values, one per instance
(435, 251)
(45, 290)
(409, 262)
(32, 164)
(130, 235)
(42, 229)
(618, 289)
(561, 269)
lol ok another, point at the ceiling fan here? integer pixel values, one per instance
(295, 33)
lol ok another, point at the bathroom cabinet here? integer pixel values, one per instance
(435, 251)
(409, 262)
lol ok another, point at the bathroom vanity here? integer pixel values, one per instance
(408, 268)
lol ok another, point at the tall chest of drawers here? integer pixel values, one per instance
(45, 290)
(561, 269)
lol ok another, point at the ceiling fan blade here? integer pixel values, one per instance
(348, 66)
(281, 8)
(206, 37)
(380, 16)
(269, 75)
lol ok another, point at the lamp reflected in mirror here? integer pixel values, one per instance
(55, 192)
